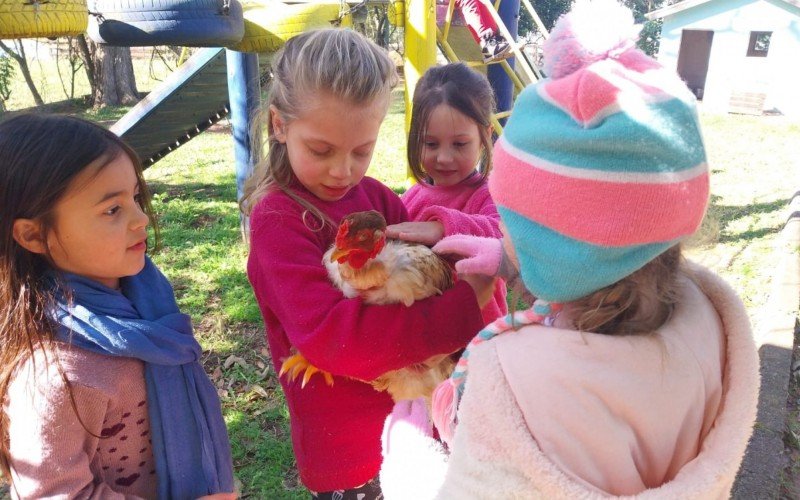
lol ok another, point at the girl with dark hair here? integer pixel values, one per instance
(450, 154)
(103, 393)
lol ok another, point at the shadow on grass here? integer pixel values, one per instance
(724, 215)
(79, 107)
(199, 191)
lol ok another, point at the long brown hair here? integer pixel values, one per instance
(637, 304)
(40, 156)
(341, 62)
(464, 90)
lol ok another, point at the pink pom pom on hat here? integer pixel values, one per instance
(590, 32)
(601, 166)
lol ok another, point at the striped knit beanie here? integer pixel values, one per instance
(601, 166)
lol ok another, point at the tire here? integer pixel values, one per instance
(26, 19)
(268, 24)
(194, 23)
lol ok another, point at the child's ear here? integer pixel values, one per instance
(28, 234)
(278, 123)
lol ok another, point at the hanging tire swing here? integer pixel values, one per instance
(268, 24)
(193, 23)
(42, 18)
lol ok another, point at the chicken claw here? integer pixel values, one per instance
(296, 364)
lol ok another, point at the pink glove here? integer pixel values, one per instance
(481, 255)
(407, 426)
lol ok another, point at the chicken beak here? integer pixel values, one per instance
(339, 253)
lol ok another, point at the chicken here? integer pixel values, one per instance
(363, 263)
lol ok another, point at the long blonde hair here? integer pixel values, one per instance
(637, 304)
(340, 62)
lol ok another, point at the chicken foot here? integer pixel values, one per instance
(297, 364)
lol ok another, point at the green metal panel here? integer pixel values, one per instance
(191, 99)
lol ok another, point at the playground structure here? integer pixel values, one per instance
(219, 82)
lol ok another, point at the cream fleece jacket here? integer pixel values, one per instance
(555, 413)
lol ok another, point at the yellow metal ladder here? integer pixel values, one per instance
(523, 72)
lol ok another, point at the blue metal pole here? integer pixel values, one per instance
(244, 93)
(501, 83)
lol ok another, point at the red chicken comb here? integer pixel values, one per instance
(344, 228)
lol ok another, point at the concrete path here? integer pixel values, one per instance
(765, 461)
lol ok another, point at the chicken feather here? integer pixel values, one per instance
(398, 272)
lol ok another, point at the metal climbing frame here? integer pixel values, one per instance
(523, 70)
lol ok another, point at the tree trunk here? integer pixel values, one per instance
(86, 55)
(113, 72)
(126, 80)
(22, 61)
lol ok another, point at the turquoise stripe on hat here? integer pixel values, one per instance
(557, 268)
(644, 137)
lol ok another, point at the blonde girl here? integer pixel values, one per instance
(329, 95)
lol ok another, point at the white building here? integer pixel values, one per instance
(736, 55)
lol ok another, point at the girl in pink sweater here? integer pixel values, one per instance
(450, 154)
(635, 373)
(329, 95)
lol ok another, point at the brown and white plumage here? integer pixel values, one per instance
(363, 263)
(401, 273)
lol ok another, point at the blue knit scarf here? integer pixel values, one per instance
(190, 442)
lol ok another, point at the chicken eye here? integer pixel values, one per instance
(361, 237)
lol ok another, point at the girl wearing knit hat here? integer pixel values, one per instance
(634, 373)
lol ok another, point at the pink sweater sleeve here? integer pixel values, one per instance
(478, 217)
(340, 335)
(50, 447)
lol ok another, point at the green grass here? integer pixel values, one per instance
(754, 169)
(754, 175)
(389, 161)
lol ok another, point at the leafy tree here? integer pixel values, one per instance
(650, 37)
(526, 24)
(18, 54)
(6, 73)
(651, 30)
(550, 10)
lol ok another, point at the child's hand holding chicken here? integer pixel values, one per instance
(362, 262)
(425, 232)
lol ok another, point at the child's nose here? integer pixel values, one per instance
(445, 156)
(140, 219)
(341, 169)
